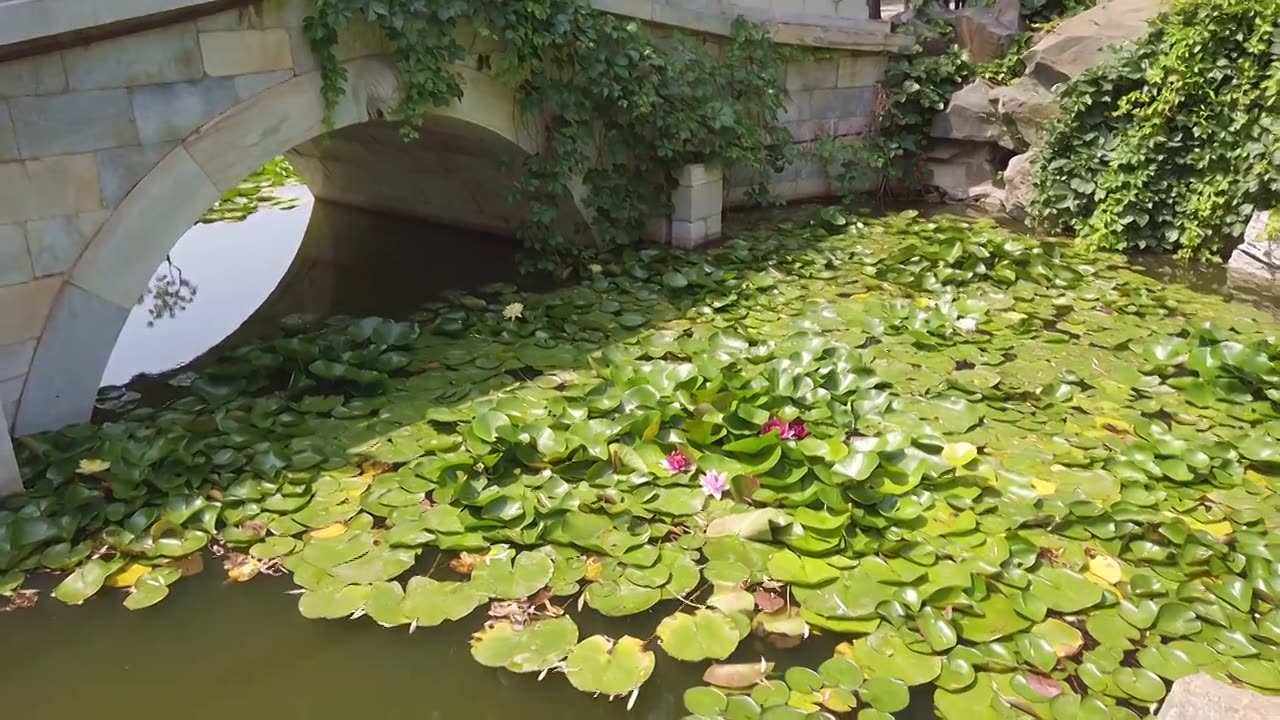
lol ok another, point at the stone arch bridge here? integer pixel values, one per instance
(122, 122)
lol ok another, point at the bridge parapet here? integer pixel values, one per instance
(111, 149)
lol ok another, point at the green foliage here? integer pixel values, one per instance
(1172, 145)
(619, 108)
(1007, 69)
(256, 192)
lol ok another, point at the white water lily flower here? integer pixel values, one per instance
(967, 324)
(513, 311)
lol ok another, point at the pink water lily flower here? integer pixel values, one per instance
(677, 462)
(775, 423)
(714, 483)
(794, 430)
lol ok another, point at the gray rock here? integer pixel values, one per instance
(960, 168)
(1088, 39)
(1017, 184)
(982, 32)
(1009, 12)
(1200, 697)
(1026, 107)
(970, 115)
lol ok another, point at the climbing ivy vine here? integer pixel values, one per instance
(618, 107)
(1173, 144)
(916, 87)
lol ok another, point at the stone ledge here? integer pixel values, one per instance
(1200, 697)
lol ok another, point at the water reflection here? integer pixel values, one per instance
(233, 266)
(319, 259)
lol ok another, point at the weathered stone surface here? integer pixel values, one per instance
(812, 75)
(1200, 697)
(138, 235)
(62, 185)
(15, 262)
(699, 174)
(10, 391)
(8, 138)
(39, 75)
(10, 477)
(120, 169)
(244, 52)
(861, 70)
(957, 167)
(175, 110)
(1017, 184)
(1027, 107)
(689, 234)
(981, 31)
(1085, 40)
(73, 122)
(697, 202)
(167, 54)
(842, 102)
(69, 361)
(796, 106)
(26, 306)
(1009, 12)
(250, 85)
(15, 359)
(56, 243)
(970, 115)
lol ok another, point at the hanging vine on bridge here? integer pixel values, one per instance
(619, 108)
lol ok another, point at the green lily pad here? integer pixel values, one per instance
(601, 665)
(701, 635)
(508, 575)
(430, 602)
(527, 648)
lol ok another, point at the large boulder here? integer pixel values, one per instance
(970, 115)
(1017, 184)
(1087, 39)
(982, 32)
(1200, 697)
(959, 168)
(1027, 107)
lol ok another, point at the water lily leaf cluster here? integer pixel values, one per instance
(1001, 473)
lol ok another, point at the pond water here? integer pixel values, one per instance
(982, 474)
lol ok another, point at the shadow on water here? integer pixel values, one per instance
(317, 261)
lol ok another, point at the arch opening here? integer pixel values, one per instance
(457, 173)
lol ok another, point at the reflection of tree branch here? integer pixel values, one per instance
(170, 293)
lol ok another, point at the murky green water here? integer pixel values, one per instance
(214, 651)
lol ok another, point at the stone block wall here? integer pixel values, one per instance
(829, 98)
(183, 112)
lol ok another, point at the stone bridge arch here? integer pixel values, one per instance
(121, 123)
(113, 271)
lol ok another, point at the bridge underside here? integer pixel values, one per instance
(456, 173)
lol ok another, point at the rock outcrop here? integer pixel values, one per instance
(1026, 107)
(1010, 120)
(970, 115)
(980, 31)
(1088, 39)
(1200, 697)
